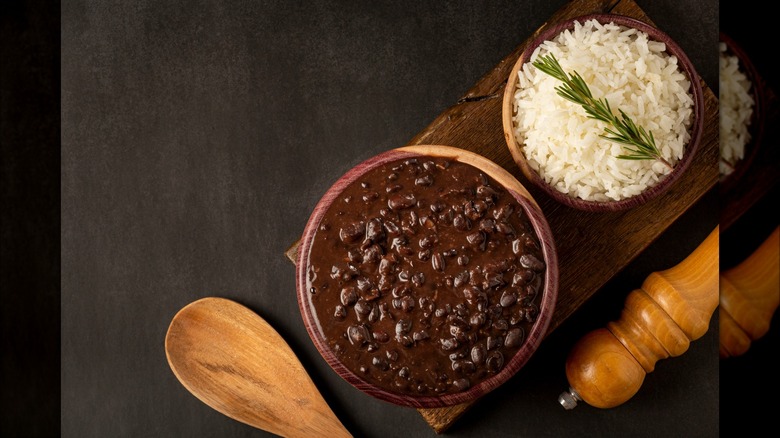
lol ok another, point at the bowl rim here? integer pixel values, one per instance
(696, 128)
(757, 119)
(547, 304)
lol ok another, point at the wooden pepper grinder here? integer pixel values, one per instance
(673, 307)
(749, 295)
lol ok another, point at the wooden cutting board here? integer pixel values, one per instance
(600, 244)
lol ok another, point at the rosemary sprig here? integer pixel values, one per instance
(639, 142)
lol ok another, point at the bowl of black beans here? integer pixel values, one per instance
(427, 276)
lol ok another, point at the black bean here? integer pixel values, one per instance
(420, 335)
(404, 373)
(463, 260)
(493, 281)
(407, 303)
(461, 384)
(418, 279)
(424, 181)
(385, 283)
(391, 227)
(372, 254)
(357, 334)
(380, 363)
(494, 342)
(503, 213)
(461, 223)
(336, 272)
(374, 315)
(514, 337)
(508, 298)
(424, 255)
(427, 241)
(487, 225)
(400, 291)
(403, 326)
(362, 308)
(352, 232)
(381, 336)
(461, 279)
(364, 284)
(437, 262)
(494, 361)
(478, 354)
(517, 317)
(458, 332)
(374, 230)
(505, 229)
(401, 202)
(485, 191)
(477, 319)
(348, 296)
(404, 340)
(522, 277)
(438, 207)
(500, 324)
(386, 266)
(477, 238)
(464, 366)
(370, 196)
(517, 246)
(531, 262)
(449, 344)
(340, 312)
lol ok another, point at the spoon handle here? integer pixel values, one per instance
(234, 361)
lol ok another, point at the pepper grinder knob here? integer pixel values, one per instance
(673, 307)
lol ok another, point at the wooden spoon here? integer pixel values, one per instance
(234, 361)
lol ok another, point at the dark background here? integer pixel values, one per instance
(749, 383)
(195, 140)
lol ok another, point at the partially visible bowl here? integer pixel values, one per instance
(415, 340)
(755, 127)
(516, 144)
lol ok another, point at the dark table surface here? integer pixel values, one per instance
(198, 136)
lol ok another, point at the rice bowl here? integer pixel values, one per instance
(736, 109)
(635, 67)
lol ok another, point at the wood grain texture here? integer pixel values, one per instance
(660, 320)
(749, 297)
(234, 361)
(600, 244)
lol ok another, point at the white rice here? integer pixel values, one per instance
(635, 74)
(736, 108)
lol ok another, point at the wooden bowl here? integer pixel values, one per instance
(659, 188)
(757, 119)
(549, 291)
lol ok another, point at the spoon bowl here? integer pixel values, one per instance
(234, 361)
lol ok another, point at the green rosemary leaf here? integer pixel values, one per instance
(624, 130)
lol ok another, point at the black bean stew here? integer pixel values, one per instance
(425, 276)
